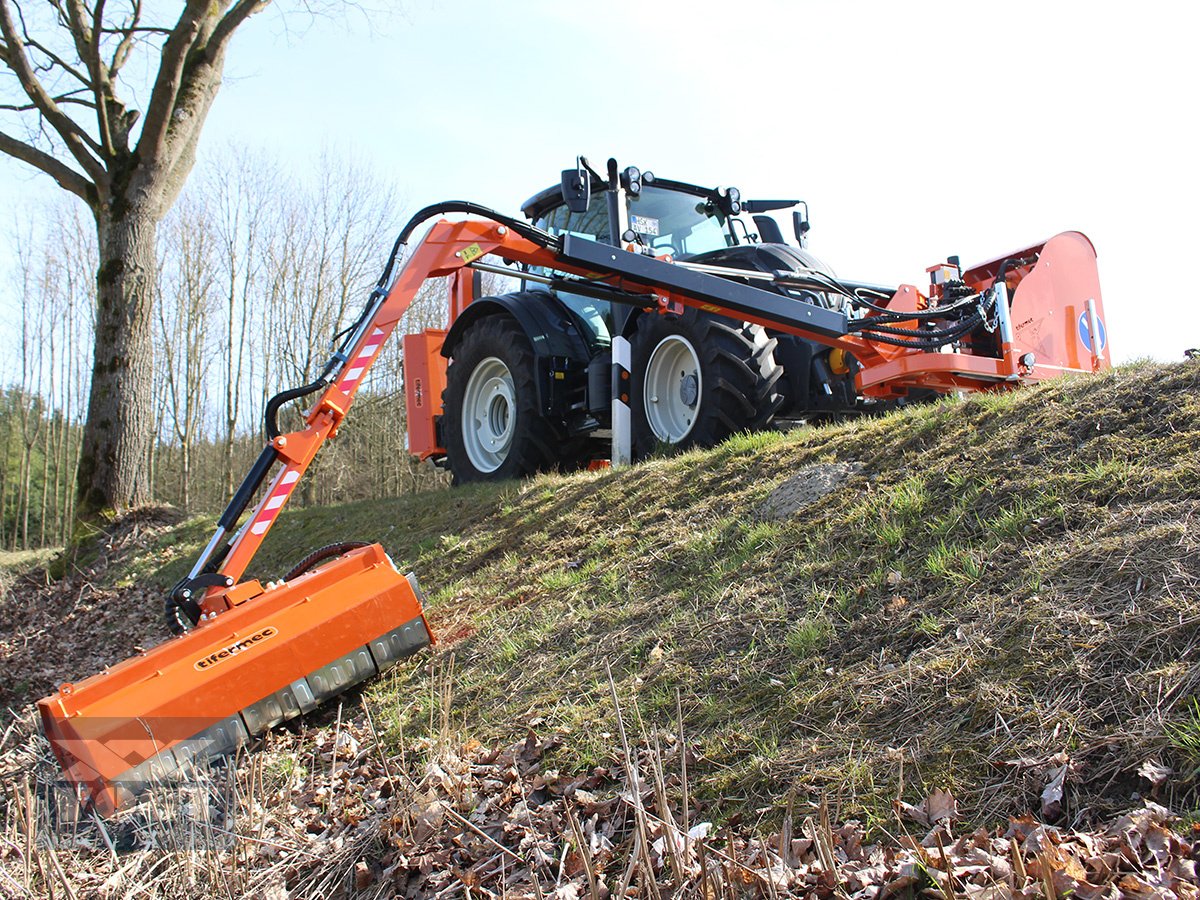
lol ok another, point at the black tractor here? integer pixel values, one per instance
(528, 386)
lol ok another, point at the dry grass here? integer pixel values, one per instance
(1005, 583)
(336, 813)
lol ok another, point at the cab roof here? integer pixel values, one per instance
(544, 201)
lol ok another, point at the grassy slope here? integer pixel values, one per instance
(1006, 578)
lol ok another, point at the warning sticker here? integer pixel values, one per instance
(472, 253)
(644, 225)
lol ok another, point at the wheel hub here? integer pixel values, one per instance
(673, 387)
(689, 389)
(489, 414)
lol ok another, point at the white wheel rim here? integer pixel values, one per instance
(489, 415)
(672, 389)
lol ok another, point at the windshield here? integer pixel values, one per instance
(677, 223)
(667, 221)
(673, 222)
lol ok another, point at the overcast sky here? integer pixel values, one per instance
(914, 131)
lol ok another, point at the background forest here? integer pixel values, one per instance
(258, 268)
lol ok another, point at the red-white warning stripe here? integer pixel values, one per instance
(362, 361)
(278, 497)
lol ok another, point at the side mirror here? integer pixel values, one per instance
(577, 189)
(800, 225)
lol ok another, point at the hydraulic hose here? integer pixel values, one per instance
(271, 416)
(537, 235)
(320, 555)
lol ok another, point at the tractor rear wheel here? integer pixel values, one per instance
(697, 378)
(492, 424)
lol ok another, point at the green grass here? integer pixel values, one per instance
(14, 562)
(1048, 570)
(1183, 736)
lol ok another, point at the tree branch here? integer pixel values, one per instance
(166, 85)
(57, 60)
(78, 29)
(127, 39)
(100, 82)
(199, 75)
(140, 29)
(241, 11)
(60, 99)
(87, 45)
(66, 177)
(76, 139)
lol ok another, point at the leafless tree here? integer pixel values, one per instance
(241, 182)
(68, 114)
(35, 284)
(188, 282)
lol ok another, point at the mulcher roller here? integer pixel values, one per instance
(276, 653)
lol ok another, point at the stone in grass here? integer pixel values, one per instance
(808, 485)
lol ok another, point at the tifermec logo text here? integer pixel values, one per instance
(240, 646)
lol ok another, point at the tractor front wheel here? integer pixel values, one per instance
(698, 378)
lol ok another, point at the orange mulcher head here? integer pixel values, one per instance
(274, 655)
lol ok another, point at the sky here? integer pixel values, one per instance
(913, 130)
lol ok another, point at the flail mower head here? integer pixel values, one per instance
(276, 653)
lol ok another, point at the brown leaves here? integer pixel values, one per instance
(939, 807)
(506, 822)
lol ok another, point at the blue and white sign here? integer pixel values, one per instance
(1085, 333)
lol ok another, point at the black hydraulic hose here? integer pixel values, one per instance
(937, 313)
(537, 235)
(916, 341)
(907, 343)
(319, 556)
(920, 340)
(271, 415)
(866, 325)
(1012, 262)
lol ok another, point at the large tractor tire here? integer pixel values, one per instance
(697, 378)
(492, 425)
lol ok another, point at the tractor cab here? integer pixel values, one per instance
(660, 217)
(664, 218)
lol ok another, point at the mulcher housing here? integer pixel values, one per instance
(274, 654)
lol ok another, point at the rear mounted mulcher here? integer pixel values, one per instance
(276, 654)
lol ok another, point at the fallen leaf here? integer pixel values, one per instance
(1155, 772)
(362, 876)
(941, 806)
(1052, 793)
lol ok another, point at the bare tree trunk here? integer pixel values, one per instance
(4, 483)
(116, 439)
(43, 513)
(128, 187)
